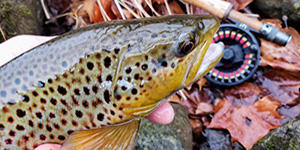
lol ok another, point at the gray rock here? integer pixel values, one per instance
(20, 17)
(174, 136)
(278, 8)
(286, 137)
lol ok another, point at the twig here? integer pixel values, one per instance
(46, 11)
(149, 3)
(140, 7)
(3, 34)
(103, 12)
(168, 8)
(120, 9)
(130, 10)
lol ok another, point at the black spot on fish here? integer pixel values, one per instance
(50, 81)
(20, 128)
(53, 101)
(25, 98)
(2, 127)
(49, 128)
(56, 126)
(61, 137)
(78, 113)
(52, 115)
(51, 136)
(112, 112)
(87, 79)
(150, 78)
(51, 89)
(43, 101)
(10, 119)
(106, 96)
(63, 122)
(64, 111)
(34, 93)
(144, 66)
(99, 79)
(137, 64)
(12, 133)
(85, 104)
(123, 88)
(128, 70)
(77, 91)
(40, 126)
(134, 91)
(8, 141)
(45, 92)
(70, 132)
(116, 50)
(86, 90)
(95, 88)
(90, 65)
(109, 78)
(42, 137)
(136, 76)
(107, 62)
(164, 64)
(128, 98)
(39, 115)
(118, 97)
(74, 123)
(21, 113)
(81, 71)
(61, 90)
(30, 123)
(100, 117)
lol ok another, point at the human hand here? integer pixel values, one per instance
(15, 46)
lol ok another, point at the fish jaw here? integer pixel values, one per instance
(212, 57)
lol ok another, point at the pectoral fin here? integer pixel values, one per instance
(119, 137)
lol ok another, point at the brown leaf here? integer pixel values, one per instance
(244, 94)
(204, 109)
(281, 85)
(247, 124)
(288, 57)
(174, 8)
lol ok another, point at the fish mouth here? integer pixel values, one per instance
(212, 57)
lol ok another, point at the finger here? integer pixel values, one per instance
(164, 114)
(48, 147)
(18, 45)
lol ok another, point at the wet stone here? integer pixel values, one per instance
(174, 136)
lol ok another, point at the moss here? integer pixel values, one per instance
(20, 17)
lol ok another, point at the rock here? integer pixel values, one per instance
(20, 17)
(174, 136)
(286, 137)
(278, 8)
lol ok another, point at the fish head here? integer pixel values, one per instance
(174, 56)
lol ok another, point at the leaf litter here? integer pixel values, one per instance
(248, 111)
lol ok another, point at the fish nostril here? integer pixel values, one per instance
(201, 25)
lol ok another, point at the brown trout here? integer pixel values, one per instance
(88, 89)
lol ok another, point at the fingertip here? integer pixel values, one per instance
(48, 147)
(164, 114)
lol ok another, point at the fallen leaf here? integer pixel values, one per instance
(247, 124)
(173, 5)
(244, 94)
(204, 109)
(287, 57)
(281, 85)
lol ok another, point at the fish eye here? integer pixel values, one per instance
(187, 47)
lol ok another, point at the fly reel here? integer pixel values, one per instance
(241, 55)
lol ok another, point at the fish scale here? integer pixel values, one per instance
(99, 78)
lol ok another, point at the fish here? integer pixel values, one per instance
(89, 88)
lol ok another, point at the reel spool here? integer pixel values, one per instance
(241, 56)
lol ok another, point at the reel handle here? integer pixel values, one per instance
(223, 10)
